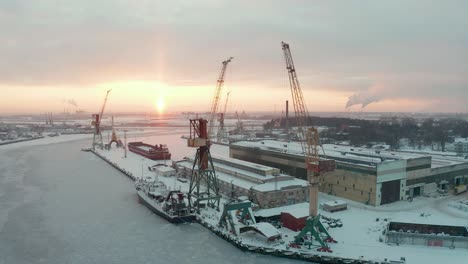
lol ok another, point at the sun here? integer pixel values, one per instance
(160, 105)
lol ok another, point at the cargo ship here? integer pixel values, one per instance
(170, 205)
(153, 152)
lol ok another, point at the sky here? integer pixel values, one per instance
(399, 55)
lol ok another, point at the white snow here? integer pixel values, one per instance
(361, 231)
(355, 154)
(267, 229)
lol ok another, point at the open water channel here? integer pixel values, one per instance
(61, 205)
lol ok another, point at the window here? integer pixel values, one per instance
(354, 186)
(370, 189)
(362, 193)
(337, 182)
(345, 189)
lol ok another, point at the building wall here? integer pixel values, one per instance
(292, 165)
(427, 240)
(461, 147)
(356, 186)
(269, 199)
(389, 171)
(446, 173)
(291, 222)
(359, 182)
(280, 197)
(418, 168)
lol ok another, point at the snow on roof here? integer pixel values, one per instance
(250, 174)
(298, 212)
(246, 184)
(267, 229)
(279, 185)
(278, 210)
(245, 163)
(335, 203)
(356, 155)
(461, 140)
(164, 168)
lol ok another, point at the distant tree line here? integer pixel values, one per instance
(389, 130)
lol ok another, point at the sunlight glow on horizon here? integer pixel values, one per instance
(160, 106)
(159, 97)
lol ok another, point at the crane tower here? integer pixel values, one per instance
(215, 103)
(222, 133)
(97, 137)
(309, 139)
(203, 172)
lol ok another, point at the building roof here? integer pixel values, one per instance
(355, 155)
(283, 182)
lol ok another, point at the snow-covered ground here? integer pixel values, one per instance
(362, 225)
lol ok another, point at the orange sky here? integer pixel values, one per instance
(394, 54)
(141, 96)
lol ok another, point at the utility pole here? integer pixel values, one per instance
(125, 142)
(287, 119)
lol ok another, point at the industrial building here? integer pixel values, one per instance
(263, 185)
(372, 177)
(427, 235)
(461, 145)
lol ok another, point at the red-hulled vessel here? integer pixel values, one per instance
(153, 152)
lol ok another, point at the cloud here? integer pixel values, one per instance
(337, 46)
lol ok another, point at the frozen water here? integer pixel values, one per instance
(61, 205)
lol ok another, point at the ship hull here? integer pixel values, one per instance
(153, 206)
(154, 154)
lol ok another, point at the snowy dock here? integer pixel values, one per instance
(360, 239)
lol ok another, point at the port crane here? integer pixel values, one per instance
(215, 103)
(239, 124)
(97, 137)
(222, 133)
(203, 172)
(278, 122)
(114, 138)
(309, 138)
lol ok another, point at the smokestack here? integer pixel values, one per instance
(287, 117)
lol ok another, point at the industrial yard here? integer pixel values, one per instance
(363, 225)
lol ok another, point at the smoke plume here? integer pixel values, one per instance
(70, 102)
(363, 99)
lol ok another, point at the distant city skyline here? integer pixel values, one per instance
(159, 56)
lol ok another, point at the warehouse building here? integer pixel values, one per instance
(373, 177)
(265, 186)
